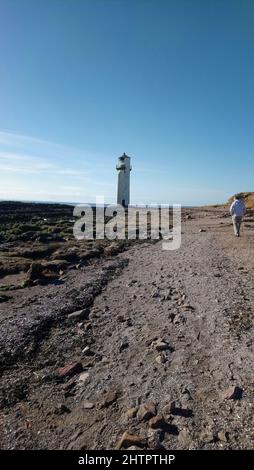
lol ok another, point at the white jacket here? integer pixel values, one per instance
(238, 208)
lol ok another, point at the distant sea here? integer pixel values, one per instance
(92, 204)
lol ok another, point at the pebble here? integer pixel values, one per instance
(109, 399)
(157, 422)
(87, 405)
(232, 393)
(147, 411)
(70, 369)
(84, 377)
(78, 315)
(132, 412)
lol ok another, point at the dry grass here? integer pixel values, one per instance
(248, 198)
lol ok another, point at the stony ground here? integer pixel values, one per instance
(158, 348)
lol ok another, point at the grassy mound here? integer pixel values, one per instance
(248, 198)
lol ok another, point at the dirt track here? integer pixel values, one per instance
(197, 300)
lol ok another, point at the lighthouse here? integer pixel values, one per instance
(123, 190)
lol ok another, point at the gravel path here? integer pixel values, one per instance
(194, 304)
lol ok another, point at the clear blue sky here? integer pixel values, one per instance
(170, 82)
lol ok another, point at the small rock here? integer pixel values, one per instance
(161, 359)
(123, 345)
(223, 436)
(132, 412)
(78, 315)
(184, 438)
(161, 345)
(170, 408)
(232, 393)
(157, 422)
(155, 294)
(109, 399)
(87, 326)
(70, 370)
(87, 351)
(87, 405)
(84, 377)
(147, 411)
(187, 307)
(69, 386)
(120, 319)
(128, 440)
(202, 230)
(61, 409)
(207, 436)
(134, 448)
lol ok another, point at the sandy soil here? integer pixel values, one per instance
(169, 330)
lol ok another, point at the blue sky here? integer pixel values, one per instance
(170, 82)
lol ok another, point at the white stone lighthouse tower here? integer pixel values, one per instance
(123, 190)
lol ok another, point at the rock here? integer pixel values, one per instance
(222, 436)
(87, 351)
(87, 326)
(132, 282)
(70, 369)
(184, 438)
(155, 294)
(123, 345)
(4, 298)
(202, 230)
(112, 249)
(186, 394)
(84, 377)
(120, 319)
(187, 307)
(132, 412)
(161, 345)
(35, 273)
(232, 393)
(87, 405)
(168, 295)
(68, 387)
(55, 265)
(157, 422)
(134, 448)
(61, 409)
(207, 436)
(128, 440)
(147, 411)
(161, 359)
(78, 315)
(170, 408)
(109, 399)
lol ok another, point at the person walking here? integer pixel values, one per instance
(237, 211)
